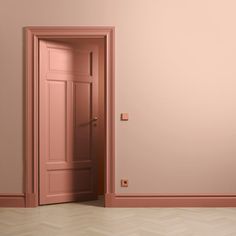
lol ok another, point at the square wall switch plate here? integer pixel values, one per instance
(124, 116)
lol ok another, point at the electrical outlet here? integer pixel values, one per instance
(124, 183)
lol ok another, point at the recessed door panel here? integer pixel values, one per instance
(56, 121)
(59, 179)
(83, 120)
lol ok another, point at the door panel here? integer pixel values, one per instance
(59, 179)
(68, 134)
(82, 119)
(56, 121)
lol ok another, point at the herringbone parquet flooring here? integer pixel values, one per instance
(91, 219)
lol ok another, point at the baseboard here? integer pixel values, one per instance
(31, 200)
(12, 200)
(115, 200)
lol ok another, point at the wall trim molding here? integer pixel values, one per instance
(32, 36)
(12, 200)
(132, 200)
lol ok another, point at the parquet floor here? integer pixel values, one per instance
(91, 219)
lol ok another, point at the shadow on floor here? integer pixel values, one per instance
(95, 203)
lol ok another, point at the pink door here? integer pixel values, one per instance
(68, 121)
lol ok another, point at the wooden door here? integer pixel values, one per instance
(68, 122)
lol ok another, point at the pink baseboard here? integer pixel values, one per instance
(113, 200)
(12, 200)
(31, 200)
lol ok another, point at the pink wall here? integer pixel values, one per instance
(175, 76)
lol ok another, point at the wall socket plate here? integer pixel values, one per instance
(124, 183)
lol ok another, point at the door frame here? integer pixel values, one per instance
(32, 36)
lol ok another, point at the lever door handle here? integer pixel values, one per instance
(95, 118)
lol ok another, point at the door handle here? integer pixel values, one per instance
(95, 118)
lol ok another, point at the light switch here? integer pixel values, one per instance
(124, 116)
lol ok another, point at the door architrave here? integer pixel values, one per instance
(32, 36)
